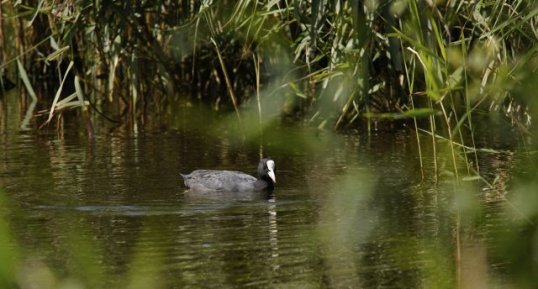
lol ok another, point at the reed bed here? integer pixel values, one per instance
(432, 65)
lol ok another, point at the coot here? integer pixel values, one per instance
(232, 181)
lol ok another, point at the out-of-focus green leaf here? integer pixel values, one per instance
(417, 112)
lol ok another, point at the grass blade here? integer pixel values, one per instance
(58, 93)
(26, 80)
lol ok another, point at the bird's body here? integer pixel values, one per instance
(232, 181)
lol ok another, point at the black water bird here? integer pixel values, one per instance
(232, 181)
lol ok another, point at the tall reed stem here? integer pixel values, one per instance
(228, 83)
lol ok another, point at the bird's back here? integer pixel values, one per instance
(213, 180)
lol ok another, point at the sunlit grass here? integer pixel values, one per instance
(336, 63)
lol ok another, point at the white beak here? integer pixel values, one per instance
(271, 174)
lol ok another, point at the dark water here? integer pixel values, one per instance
(350, 210)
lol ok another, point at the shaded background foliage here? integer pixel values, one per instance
(337, 62)
(438, 66)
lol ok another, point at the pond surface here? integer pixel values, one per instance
(350, 210)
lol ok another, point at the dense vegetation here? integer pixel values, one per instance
(333, 63)
(337, 62)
